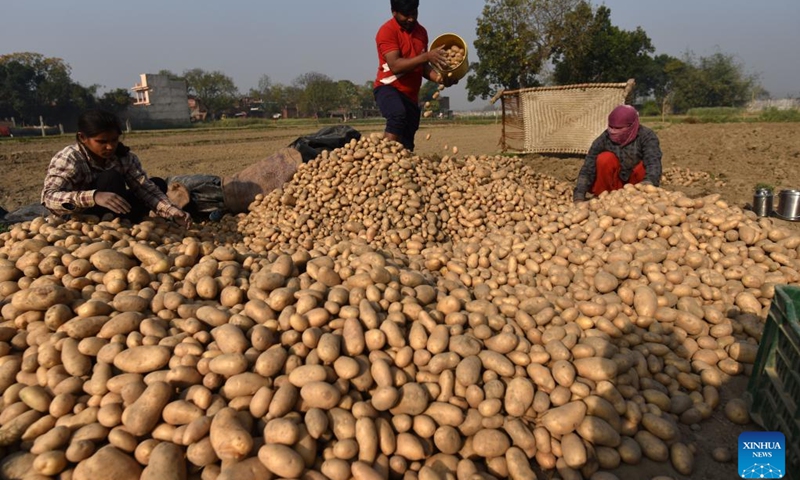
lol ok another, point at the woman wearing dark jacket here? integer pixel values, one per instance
(625, 153)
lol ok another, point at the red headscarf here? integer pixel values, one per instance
(623, 125)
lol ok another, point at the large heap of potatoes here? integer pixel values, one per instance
(383, 316)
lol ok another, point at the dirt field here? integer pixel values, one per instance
(736, 157)
(740, 155)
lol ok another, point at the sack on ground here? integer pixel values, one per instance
(205, 193)
(24, 214)
(259, 178)
(328, 138)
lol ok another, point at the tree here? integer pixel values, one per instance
(282, 96)
(117, 100)
(320, 93)
(264, 85)
(366, 97)
(169, 73)
(32, 85)
(714, 81)
(348, 95)
(215, 89)
(514, 40)
(597, 51)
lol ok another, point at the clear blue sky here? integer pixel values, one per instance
(111, 42)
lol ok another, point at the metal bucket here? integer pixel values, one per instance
(789, 206)
(446, 40)
(762, 202)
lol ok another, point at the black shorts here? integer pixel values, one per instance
(401, 114)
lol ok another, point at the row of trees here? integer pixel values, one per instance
(310, 93)
(32, 85)
(520, 43)
(528, 43)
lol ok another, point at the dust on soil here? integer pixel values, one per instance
(740, 155)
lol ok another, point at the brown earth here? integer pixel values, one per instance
(738, 155)
(733, 157)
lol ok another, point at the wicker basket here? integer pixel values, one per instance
(564, 119)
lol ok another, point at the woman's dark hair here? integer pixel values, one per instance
(404, 6)
(94, 122)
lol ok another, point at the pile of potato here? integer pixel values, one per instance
(383, 316)
(376, 190)
(686, 177)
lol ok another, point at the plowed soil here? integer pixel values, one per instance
(736, 157)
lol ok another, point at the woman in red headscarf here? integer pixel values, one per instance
(625, 153)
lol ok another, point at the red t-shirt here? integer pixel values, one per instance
(390, 38)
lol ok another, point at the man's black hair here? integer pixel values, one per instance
(404, 6)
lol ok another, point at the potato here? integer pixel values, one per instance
(50, 463)
(564, 419)
(659, 426)
(281, 431)
(489, 443)
(519, 396)
(652, 447)
(682, 458)
(413, 400)
(40, 298)
(108, 259)
(229, 438)
(598, 432)
(596, 368)
(736, 411)
(574, 450)
(152, 259)
(306, 374)
(108, 463)
(166, 462)
(410, 447)
(320, 395)
(519, 466)
(142, 415)
(281, 460)
(143, 359)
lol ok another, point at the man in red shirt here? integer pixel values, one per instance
(403, 59)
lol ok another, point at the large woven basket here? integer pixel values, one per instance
(564, 119)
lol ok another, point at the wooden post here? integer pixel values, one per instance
(13, 122)
(61, 128)
(127, 125)
(41, 125)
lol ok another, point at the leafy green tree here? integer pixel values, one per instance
(283, 96)
(514, 40)
(599, 52)
(348, 95)
(264, 85)
(718, 80)
(32, 85)
(320, 93)
(215, 89)
(366, 96)
(117, 100)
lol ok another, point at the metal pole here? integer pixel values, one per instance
(41, 124)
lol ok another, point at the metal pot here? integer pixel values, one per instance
(789, 205)
(762, 202)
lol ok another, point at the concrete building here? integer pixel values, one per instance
(160, 102)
